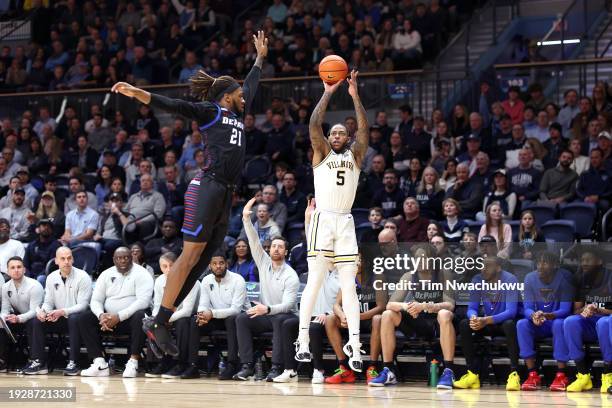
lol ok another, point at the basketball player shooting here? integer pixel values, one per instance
(331, 236)
(209, 195)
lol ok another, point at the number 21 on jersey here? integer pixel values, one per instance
(236, 138)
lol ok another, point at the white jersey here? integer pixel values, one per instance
(335, 181)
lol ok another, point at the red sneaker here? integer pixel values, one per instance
(533, 382)
(560, 382)
(342, 375)
(371, 374)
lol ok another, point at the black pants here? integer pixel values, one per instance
(290, 334)
(228, 325)
(18, 328)
(89, 327)
(207, 208)
(63, 325)
(473, 357)
(246, 327)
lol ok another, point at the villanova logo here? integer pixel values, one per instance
(10, 293)
(113, 279)
(56, 286)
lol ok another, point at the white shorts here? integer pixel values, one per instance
(333, 235)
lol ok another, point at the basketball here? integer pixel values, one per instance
(333, 69)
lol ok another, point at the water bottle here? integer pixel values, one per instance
(221, 364)
(111, 364)
(259, 372)
(433, 372)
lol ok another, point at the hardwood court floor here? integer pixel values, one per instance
(154, 393)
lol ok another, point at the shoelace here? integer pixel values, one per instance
(339, 371)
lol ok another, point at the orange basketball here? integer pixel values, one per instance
(333, 69)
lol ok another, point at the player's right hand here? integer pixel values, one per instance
(331, 88)
(125, 89)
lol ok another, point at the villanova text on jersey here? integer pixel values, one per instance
(341, 164)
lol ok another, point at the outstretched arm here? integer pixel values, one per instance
(203, 112)
(251, 82)
(362, 135)
(320, 145)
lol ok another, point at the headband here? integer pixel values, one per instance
(228, 89)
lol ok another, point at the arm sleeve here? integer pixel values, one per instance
(203, 112)
(158, 293)
(529, 301)
(204, 303)
(97, 298)
(289, 297)
(36, 298)
(249, 88)
(259, 255)
(144, 292)
(83, 296)
(188, 304)
(238, 299)
(512, 299)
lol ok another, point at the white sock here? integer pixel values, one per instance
(317, 268)
(100, 362)
(134, 361)
(350, 301)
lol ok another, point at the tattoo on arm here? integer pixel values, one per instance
(319, 143)
(362, 135)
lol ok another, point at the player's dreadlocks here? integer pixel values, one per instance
(208, 88)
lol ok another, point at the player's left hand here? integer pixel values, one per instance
(257, 310)
(246, 211)
(12, 319)
(261, 44)
(125, 89)
(352, 81)
(54, 315)
(320, 319)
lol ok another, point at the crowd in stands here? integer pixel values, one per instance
(97, 44)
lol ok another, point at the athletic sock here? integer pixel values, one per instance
(163, 315)
(535, 370)
(390, 365)
(564, 369)
(581, 366)
(344, 363)
(449, 364)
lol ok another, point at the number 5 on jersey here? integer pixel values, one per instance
(236, 137)
(340, 177)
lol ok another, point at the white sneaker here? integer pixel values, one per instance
(131, 369)
(318, 377)
(302, 351)
(286, 377)
(99, 368)
(353, 351)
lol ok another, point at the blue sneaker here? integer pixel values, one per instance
(386, 377)
(446, 380)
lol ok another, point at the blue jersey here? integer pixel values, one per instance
(554, 297)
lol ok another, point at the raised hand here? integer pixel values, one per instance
(352, 81)
(261, 44)
(246, 211)
(125, 89)
(331, 88)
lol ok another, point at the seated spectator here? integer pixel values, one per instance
(31, 193)
(41, 251)
(11, 164)
(293, 199)
(500, 193)
(133, 177)
(219, 313)
(418, 141)
(279, 140)
(467, 193)
(81, 223)
(594, 185)
(146, 202)
(529, 118)
(514, 106)
(453, 227)
(5, 173)
(494, 226)
(407, 49)
(138, 257)
(412, 226)
(105, 180)
(528, 236)
(188, 160)
(375, 218)
(21, 296)
(100, 135)
(85, 156)
(170, 241)
(49, 210)
(44, 118)
(554, 146)
(112, 221)
(180, 320)
(190, 67)
(558, 184)
(276, 209)
(442, 154)
(515, 145)
(277, 302)
(242, 262)
(265, 227)
(19, 215)
(120, 298)
(199, 157)
(411, 179)
(580, 163)
(67, 297)
(390, 198)
(8, 247)
(433, 229)
(75, 184)
(480, 170)
(449, 175)
(524, 180)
